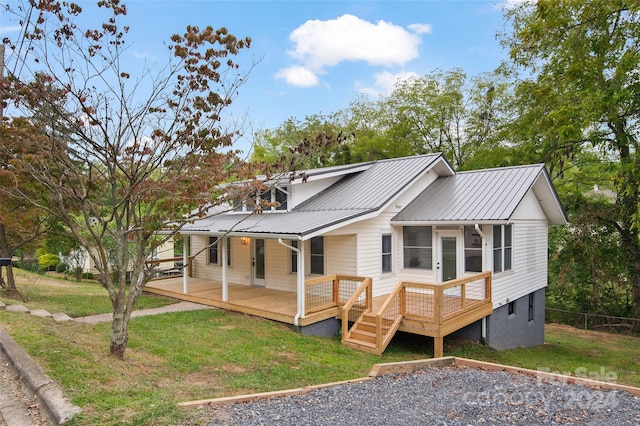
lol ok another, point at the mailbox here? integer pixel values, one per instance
(5, 261)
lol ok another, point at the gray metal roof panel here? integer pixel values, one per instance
(291, 223)
(481, 195)
(370, 189)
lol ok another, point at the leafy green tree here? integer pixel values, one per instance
(579, 91)
(272, 145)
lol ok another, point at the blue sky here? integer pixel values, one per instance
(317, 55)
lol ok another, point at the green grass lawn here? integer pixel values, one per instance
(204, 354)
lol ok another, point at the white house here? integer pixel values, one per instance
(381, 235)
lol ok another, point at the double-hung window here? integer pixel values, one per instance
(317, 256)
(417, 247)
(502, 248)
(213, 250)
(472, 250)
(386, 253)
(294, 257)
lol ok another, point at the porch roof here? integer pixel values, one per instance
(292, 224)
(490, 195)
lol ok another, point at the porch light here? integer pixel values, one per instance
(244, 241)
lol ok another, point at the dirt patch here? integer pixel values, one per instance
(580, 332)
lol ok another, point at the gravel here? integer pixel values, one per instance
(454, 395)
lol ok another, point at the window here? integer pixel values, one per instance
(294, 257)
(531, 309)
(511, 308)
(264, 200)
(502, 248)
(472, 250)
(280, 197)
(386, 253)
(228, 251)
(417, 247)
(317, 256)
(213, 250)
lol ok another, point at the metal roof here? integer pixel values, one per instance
(373, 188)
(483, 195)
(356, 194)
(276, 223)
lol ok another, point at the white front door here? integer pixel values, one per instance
(257, 263)
(447, 258)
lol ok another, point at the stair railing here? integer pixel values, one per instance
(353, 308)
(389, 317)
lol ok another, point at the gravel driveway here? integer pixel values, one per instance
(454, 395)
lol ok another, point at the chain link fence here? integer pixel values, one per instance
(620, 325)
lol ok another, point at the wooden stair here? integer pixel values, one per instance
(362, 335)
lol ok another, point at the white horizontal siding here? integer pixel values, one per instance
(530, 258)
(341, 254)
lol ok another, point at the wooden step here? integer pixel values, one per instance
(354, 343)
(363, 335)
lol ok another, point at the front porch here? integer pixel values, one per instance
(368, 323)
(324, 297)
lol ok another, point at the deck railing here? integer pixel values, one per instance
(422, 303)
(442, 302)
(330, 291)
(170, 267)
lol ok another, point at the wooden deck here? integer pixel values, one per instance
(276, 305)
(369, 323)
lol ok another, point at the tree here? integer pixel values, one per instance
(21, 224)
(443, 111)
(580, 92)
(271, 145)
(119, 155)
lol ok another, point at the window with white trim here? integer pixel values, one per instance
(502, 248)
(472, 250)
(317, 256)
(386, 253)
(213, 250)
(417, 247)
(294, 257)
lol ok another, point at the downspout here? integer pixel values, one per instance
(483, 327)
(299, 283)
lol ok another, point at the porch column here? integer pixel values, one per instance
(185, 266)
(225, 284)
(300, 287)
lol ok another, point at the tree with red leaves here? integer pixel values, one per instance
(119, 155)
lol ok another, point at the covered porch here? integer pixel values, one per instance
(324, 297)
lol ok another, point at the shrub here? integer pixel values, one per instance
(48, 261)
(87, 275)
(62, 267)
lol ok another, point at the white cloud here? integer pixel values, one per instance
(321, 44)
(298, 76)
(420, 28)
(6, 29)
(514, 4)
(385, 82)
(142, 55)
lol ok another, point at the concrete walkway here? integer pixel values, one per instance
(176, 307)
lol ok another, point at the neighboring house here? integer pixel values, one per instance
(80, 258)
(411, 227)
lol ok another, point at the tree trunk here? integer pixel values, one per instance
(119, 331)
